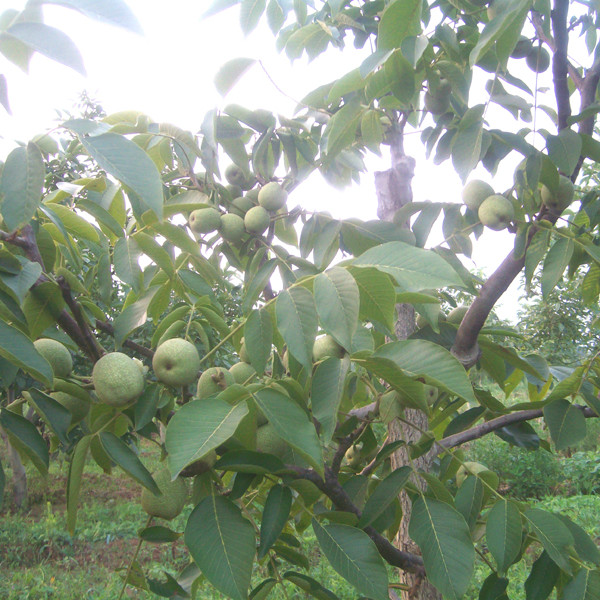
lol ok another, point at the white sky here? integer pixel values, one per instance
(168, 73)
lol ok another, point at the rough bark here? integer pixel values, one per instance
(19, 476)
(393, 189)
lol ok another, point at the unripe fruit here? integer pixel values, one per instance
(213, 381)
(493, 10)
(235, 175)
(57, 355)
(242, 371)
(496, 212)
(232, 228)
(272, 196)
(205, 220)
(268, 441)
(76, 406)
(235, 191)
(436, 104)
(469, 468)
(257, 220)
(522, 48)
(538, 60)
(244, 356)
(456, 315)
(170, 502)
(241, 205)
(475, 192)
(117, 380)
(560, 198)
(353, 457)
(252, 195)
(325, 346)
(431, 394)
(200, 466)
(176, 362)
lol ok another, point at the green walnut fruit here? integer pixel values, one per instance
(172, 499)
(268, 441)
(252, 195)
(202, 465)
(242, 371)
(57, 355)
(205, 220)
(431, 394)
(176, 362)
(560, 198)
(436, 104)
(475, 192)
(241, 205)
(456, 315)
(522, 48)
(326, 346)
(232, 228)
(353, 457)
(214, 381)
(538, 59)
(496, 212)
(235, 175)
(493, 10)
(272, 196)
(244, 357)
(78, 408)
(235, 191)
(117, 380)
(257, 220)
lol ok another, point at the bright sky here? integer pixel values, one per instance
(168, 73)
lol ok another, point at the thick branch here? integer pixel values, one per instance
(560, 62)
(494, 424)
(331, 487)
(108, 328)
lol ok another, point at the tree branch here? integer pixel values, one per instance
(331, 487)
(479, 431)
(560, 63)
(108, 328)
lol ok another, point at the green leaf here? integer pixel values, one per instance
(377, 296)
(54, 414)
(153, 250)
(76, 467)
(584, 545)
(21, 185)
(352, 553)
(291, 424)
(221, 542)
(423, 359)
(565, 422)
(126, 161)
(327, 389)
(466, 145)
(125, 258)
(21, 282)
(556, 262)
(401, 18)
(297, 322)
(584, 586)
(264, 588)
(275, 516)
(341, 129)
(74, 224)
(469, 500)
(42, 306)
(258, 338)
(199, 427)
(309, 585)
(133, 316)
(503, 533)
(338, 299)
(544, 575)
(230, 72)
(248, 461)
(114, 12)
(553, 534)
(385, 493)
(50, 42)
(250, 14)
(19, 350)
(564, 150)
(121, 454)
(157, 534)
(413, 268)
(25, 438)
(445, 542)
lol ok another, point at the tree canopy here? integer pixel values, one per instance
(122, 235)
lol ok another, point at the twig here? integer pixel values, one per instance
(108, 328)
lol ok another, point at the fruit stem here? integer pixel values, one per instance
(134, 558)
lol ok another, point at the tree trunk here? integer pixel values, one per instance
(19, 476)
(393, 188)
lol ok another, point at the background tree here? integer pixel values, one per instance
(176, 224)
